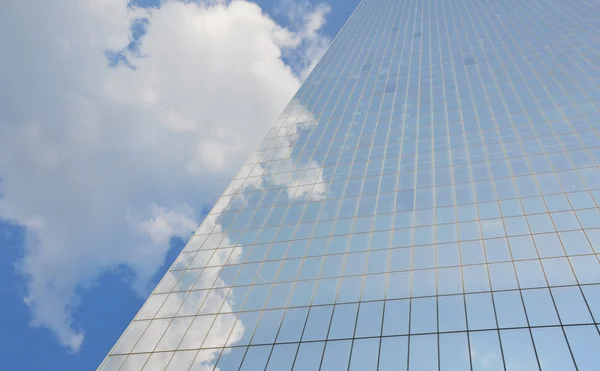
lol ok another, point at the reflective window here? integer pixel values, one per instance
(309, 356)
(256, 358)
(181, 360)
(317, 323)
(518, 350)
(369, 319)
(292, 325)
(267, 328)
(485, 351)
(423, 315)
(365, 353)
(231, 359)
(343, 321)
(429, 199)
(393, 354)
(282, 357)
(584, 343)
(552, 348)
(395, 321)
(336, 355)
(454, 352)
(423, 352)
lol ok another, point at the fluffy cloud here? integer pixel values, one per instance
(310, 43)
(165, 224)
(103, 163)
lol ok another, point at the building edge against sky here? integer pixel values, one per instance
(107, 363)
(427, 201)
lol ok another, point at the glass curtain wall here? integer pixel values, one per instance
(427, 201)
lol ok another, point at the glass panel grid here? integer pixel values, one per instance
(429, 200)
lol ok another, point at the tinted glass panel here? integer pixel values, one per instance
(429, 199)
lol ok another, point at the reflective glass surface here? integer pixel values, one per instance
(429, 200)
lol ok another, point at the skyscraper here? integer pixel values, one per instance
(427, 201)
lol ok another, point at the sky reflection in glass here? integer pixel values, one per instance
(427, 201)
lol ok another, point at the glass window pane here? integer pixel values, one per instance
(349, 290)
(393, 355)
(171, 338)
(423, 317)
(220, 330)
(585, 345)
(509, 309)
(112, 363)
(369, 320)
(230, 360)
(158, 361)
(197, 332)
(192, 303)
(326, 291)
(518, 350)
(243, 329)
(342, 322)
(485, 351)
(552, 349)
(292, 326)
(423, 352)
(530, 274)
(130, 337)
(135, 362)
(302, 294)
(558, 272)
(571, 305)
(364, 355)
(182, 360)
(280, 293)
(398, 285)
(454, 352)
(424, 282)
(337, 355)
(374, 287)
(451, 312)
(282, 357)
(317, 323)
(206, 358)
(476, 278)
(256, 358)
(309, 356)
(587, 268)
(450, 281)
(395, 321)
(152, 306)
(257, 297)
(267, 328)
(592, 296)
(540, 307)
(151, 337)
(502, 276)
(480, 311)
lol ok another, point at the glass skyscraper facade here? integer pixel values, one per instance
(429, 200)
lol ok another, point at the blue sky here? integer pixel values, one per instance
(103, 304)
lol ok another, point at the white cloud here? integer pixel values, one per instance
(210, 331)
(308, 22)
(165, 224)
(104, 165)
